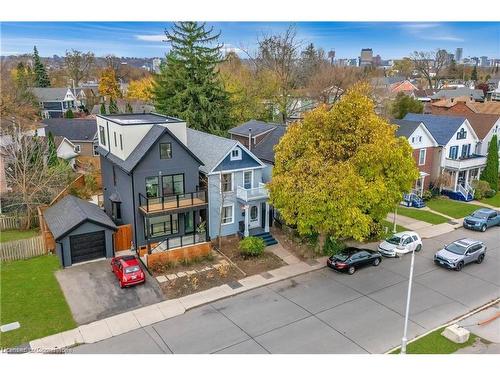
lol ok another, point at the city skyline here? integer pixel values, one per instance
(390, 40)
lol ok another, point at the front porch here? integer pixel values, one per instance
(458, 183)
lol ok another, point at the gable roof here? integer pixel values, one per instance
(481, 122)
(72, 129)
(490, 107)
(442, 128)
(264, 150)
(406, 127)
(258, 127)
(50, 93)
(70, 212)
(211, 149)
(458, 92)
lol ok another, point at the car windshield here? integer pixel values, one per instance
(132, 269)
(480, 215)
(456, 248)
(395, 240)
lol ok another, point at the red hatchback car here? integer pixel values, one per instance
(127, 270)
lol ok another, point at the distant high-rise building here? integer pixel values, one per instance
(331, 56)
(484, 60)
(353, 62)
(458, 54)
(366, 57)
(156, 65)
(377, 60)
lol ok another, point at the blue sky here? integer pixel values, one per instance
(144, 39)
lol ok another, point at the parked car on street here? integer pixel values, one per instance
(352, 258)
(127, 270)
(482, 219)
(459, 253)
(400, 243)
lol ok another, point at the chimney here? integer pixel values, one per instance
(250, 139)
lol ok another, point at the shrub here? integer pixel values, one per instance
(332, 246)
(481, 187)
(489, 193)
(252, 246)
(427, 195)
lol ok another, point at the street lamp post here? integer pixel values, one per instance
(404, 340)
(395, 216)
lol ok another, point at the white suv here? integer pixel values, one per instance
(400, 243)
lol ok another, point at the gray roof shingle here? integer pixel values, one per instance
(406, 127)
(209, 148)
(459, 92)
(264, 150)
(442, 128)
(257, 127)
(50, 93)
(70, 212)
(72, 129)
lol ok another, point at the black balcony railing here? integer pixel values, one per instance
(180, 241)
(173, 201)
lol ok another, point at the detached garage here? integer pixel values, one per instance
(81, 230)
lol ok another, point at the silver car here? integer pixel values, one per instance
(459, 253)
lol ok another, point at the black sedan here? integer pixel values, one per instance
(352, 258)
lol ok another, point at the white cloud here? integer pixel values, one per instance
(420, 26)
(152, 37)
(446, 38)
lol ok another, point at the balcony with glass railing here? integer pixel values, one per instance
(251, 194)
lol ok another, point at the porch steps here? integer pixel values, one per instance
(455, 195)
(267, 237)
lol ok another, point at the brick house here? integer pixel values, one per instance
(254, 130)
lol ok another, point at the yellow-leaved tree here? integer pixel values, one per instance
(141, 89)
(108, 84)
(340, 171)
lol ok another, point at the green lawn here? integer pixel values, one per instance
(422, 215)
(15, 234)
(434, 343)
(455, 209)
(494, 201)
(30, 295)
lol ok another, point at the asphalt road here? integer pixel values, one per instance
(327, 312)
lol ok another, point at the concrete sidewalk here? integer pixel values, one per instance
(424, 229)
(145, 316)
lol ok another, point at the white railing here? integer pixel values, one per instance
(476, 161)
(252, 193)
(469, 188)
(462, 190)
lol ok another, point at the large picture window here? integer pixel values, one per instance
(166, 150)
(173, 184)
(152, 189)
(164, 225)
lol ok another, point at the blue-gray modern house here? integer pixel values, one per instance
(177, 186)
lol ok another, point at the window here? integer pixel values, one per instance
(166, 150)
(462, 134)
(152, 189)
(114, 176)
(102, 135)
(77, 148)
(189, 222)
(453, 152)
(412, 139)
(121, 142)
(96, 153)
(164, 225)
(116, 211)
(227, 214)
(254, 212)
(173, 184)
(236, 154)
(465, 151)
(226, 182)
(247, 179)
(420, 139)
(114, 135)
(421, 156)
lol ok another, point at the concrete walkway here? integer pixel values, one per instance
(424, 229)
(478, 203)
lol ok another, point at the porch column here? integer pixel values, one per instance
(246, 233)
(467, 176)
(456, 181)
(266, 222)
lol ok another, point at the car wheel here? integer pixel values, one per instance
(376, 262)
(480, 259)
(351, 270)
(121, 285)
(483, 228)
(419, 247)
(459, 266)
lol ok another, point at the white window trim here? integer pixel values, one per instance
(239, 157)
(232, 182)
(425, 156)
(251, 178)
(232, 214)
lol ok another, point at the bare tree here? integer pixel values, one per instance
(78, 65)
(32, 180)
(431, 65)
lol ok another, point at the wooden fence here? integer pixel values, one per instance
(14, 222)
(123, 237)
(22, 249)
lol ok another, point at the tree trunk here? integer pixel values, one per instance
(321, 241)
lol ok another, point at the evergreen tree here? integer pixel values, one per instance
(69, 114)
(473, 75)
(102, 110)
(490, 172)
(403, 104)
(113, 108)
(41, 76)
(52, 151)
(189, 85)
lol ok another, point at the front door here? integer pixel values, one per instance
(461, 178)
(254, 216)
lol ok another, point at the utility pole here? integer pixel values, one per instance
(395, 215)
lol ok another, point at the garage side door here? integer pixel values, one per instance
(87, 246)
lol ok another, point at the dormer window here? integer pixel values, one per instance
(462, 134)
(236, 154)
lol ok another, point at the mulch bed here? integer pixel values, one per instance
(300, 247)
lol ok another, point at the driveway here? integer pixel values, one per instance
(325, 311)
(93, 293)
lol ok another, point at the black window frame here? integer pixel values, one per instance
(102, 133)
(169, 156)
(157, 184)
(172, 176)
(121, 142)
(114, 136)
(462, 134)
